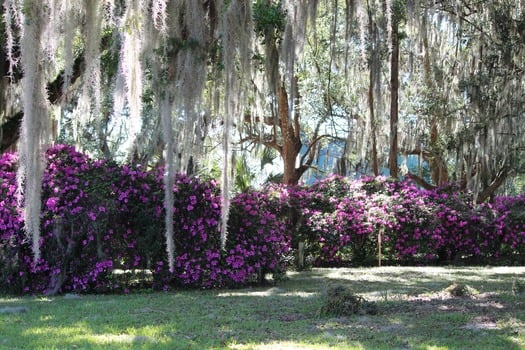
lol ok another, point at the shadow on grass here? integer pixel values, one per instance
(284, 316)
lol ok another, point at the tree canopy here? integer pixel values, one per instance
(354, 87)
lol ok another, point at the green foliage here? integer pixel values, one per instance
(243, 174)
(269, 18)
(178, 44)
(268, 156)
(109, 57)
(274, 178)
(399, 10)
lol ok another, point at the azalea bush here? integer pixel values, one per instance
(412, 237)
(100, 218)
(454, 225)
(102, 228)
(314, 228)
(97, 217)
(259, 242)
(346, 220)
(13, 246)
(196, 218)
(507, 237)
(256, 238)
(444, 225)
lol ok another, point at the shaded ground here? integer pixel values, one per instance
(414, 311)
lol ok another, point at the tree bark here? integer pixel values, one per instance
(286, 138)
(373, 127)
(394, 97)
(291, 141)
(436, 162)
(372, 31)
(497, 181)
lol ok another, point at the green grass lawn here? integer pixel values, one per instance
(413, 312)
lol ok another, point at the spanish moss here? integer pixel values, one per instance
(131, 66)
(237, 45)
(34, 134)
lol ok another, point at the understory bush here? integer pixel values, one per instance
(352, 222)
(102, 228)
(102, 222)
(260, 241)
(196, 216)
(13, 247)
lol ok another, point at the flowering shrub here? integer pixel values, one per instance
(344, 234)
(453, 234)
(99, 217)
(197, 212)
(412, 235)
(441, 225)
(324, 194)
(257, 241)
(344, 219)
(69, 241)
(508, 235)
(12, 243)
(346, 228)
(314, 227)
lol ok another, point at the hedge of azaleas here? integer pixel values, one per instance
(416, 226)
(100, 218)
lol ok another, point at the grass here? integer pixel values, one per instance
(414, 311)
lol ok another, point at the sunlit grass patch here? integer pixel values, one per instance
(291, 345)
(413, 312)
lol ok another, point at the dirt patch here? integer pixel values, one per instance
(487, 304)
(14, 310)
(482, 323)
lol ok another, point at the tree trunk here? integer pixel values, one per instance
(288, 143)
(489, 190)
(372, 31)
(373, 127)
(394, 97)
(436, 162)
(291, 142)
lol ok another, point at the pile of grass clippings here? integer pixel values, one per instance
(341, 301)
(518, 286)
(461, 290)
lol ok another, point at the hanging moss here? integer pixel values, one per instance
(169, 176)
(160, 15)
(35, 129)
(131, 66)
(235, 25)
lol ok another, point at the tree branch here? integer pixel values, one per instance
(10, 128)
(488, 191)
(309, 151)
(255, 139)
(420, 181)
